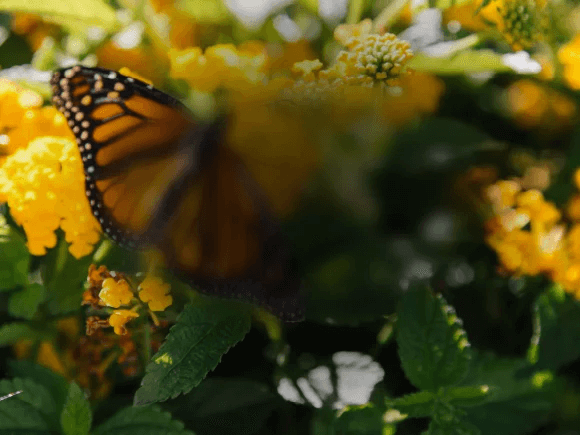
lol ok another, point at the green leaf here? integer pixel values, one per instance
(205, 11)
(556, 338)
(25, 302)
(148, 420)
(562, 188)
(433, 347)
(194, 347)
(64, 278)
(359, 420)
(14, 257)
(31, 411)
(467, 396)
(53, 382)
(516, 404)
(444, 4)
(91, 12)
(10, 333)
(419, 404)
(464, 62)
(449, 422)
(226, 406)
(76, 416)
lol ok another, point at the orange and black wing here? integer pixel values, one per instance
(154, 177)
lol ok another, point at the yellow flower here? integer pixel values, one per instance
(48, 357)
(382, 57)
(466, 15)
(119, 318)
(155, 292)
(540, 211)
(523, 22)
(33, 28)
(43, 185)
(569, 56)
(115, 293)
(418, 94)
(573, 208)
(23, 118)
(503, 194)
(532, 105)
(306, 69)
(152, 63)
(346, 34)
(221, 65)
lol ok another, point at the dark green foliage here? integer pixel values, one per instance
(433, 348)
(194, 347)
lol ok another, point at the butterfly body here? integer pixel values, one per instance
(155, 177)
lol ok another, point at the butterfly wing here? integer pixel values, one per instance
(155, 177)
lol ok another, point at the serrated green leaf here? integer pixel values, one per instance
(556, 338)
(76, 415)
(194, 347)
(433, 347)
(31, 411)
(14, 257)
(25, 302)
(91, 12)
(359, 420)
(419, 404)
(53, 382)
(464, 62)
(516, 403)
(467, 396)
(10, 333)
(148, 420)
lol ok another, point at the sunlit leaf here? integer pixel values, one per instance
(464, 62)
(91, 12)
(194, 347)
(433, 348)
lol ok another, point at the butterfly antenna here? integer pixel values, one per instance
(8, 396)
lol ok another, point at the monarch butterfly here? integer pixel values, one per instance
(156, 177)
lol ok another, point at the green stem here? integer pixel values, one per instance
(389, 15)
(147, 342)
(355, 10)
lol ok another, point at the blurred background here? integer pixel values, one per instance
(425, 185)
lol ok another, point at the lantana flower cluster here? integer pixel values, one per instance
(43, 184)
(531, 236)
(110, 289)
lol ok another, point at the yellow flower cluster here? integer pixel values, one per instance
(44, 186)
(532, 105)
(569, 56)
(370, 58)
(523, 22)
(221, 65)
(530, 237)
(113, 290)
(24, 118)
(381, 57)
